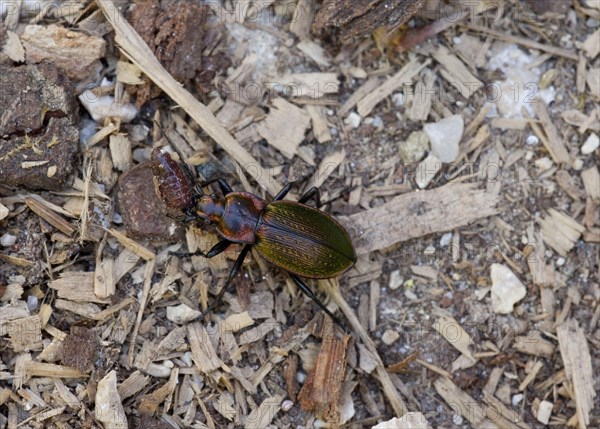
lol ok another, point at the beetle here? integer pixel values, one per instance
(300, 239)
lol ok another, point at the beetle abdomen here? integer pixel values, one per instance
(304, 240)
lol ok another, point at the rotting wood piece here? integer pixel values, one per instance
(361, 18)
(321, 391)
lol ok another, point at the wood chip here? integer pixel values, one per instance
(456, 72)
(591, 182)
(203, 353)
(416, 214)
(560, 231)
(133, 384)
(360, 93)
(53, 218)
(454, 333)
(315, 52)
(566, 53)
(262, 416)
(381, 92)
(319, 123)
(285, 126)
(109, 408)
(77, 286)
(38, 369)
(237, 322)
(460, 402)
(576, 357)
(569, 184)
(310, 85)
(321, 391)
(302, 20)
(420, 101)
(132, 245)
(553, 143)
(120, 151)
(591, 46)
(149, 403)
(531, 376)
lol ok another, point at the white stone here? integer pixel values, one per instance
(543, 163)
(353, 120)
(410, 420)
(591, 144)
(398, 99)
(446, 239)
(507, 289)
(516, 399)
(544, 412)
(105, 107)
(396, 280)
(182, 313)
(445, 136)
(426, 170)
(389, 336)
(8, 240)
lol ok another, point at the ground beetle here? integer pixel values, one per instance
(300, 239)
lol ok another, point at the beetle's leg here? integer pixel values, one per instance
(284, 191)
(312, 192)
(225, 188)
(214, 251)
(234, 270)
(304, 288)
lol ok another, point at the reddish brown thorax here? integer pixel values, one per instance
(210, 208)
(236, 216)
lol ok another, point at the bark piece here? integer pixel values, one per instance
(37, 110)
(420, 213)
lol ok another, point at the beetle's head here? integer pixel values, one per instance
(210, 208)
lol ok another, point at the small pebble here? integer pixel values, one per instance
(105, 106)
(446, 239)
(353, 120)
(532, 140)
(357, 73)
(426, 170)
(429, 250)
(32, 302)
(410, 295)
(286, 405)
(560, 262)
(591, 144)
(389, 336)
(578, 164)
(8, 240)
(395, 280)
(507, 289)
(300, 377)
(398, 99)
(516, 399)
(377, 122)
(543, 163)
